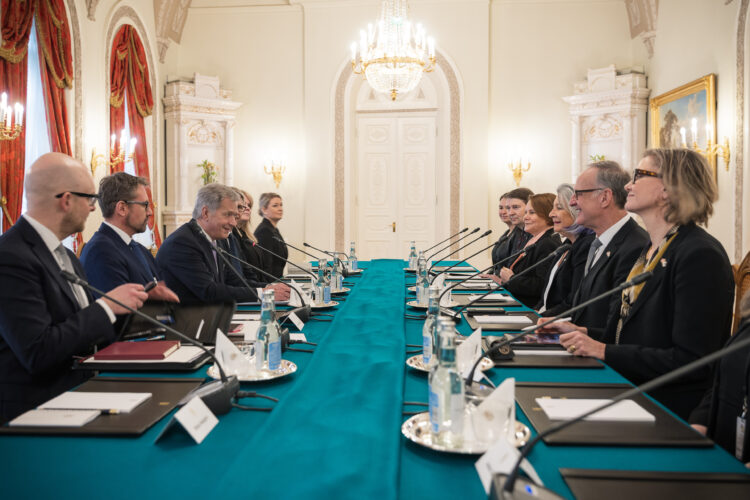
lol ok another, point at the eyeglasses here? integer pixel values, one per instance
(639, 172)
(579, 192)
(144, 204)
(242, 208)
(91, 197)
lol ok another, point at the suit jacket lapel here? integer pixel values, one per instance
(205, 246)
(125, 251)
(48, 260)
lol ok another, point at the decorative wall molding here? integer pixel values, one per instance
(608, 116)
(77, 84)
(169, 17)
(739, 140)
(642, 15)
(91, 9)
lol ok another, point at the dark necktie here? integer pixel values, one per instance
(590, 258)
(135, 248)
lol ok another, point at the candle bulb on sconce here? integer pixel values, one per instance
(276, 170)
(711, 148)
(117, 155)
(11, 119)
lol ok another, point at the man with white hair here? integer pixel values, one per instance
(45, 320)
(189, 261)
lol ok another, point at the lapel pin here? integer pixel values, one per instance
(608, 253)
(663, 262)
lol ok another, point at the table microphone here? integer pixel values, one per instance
(452, 243)
(508, 338)
(286, 260)
(509, 489)
(336, 260)
(459, 248)
(462, 261)
(217, 395)
(303, 312)
(446, 239)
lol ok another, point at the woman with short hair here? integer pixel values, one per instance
(271, 208)
(566, 273)
(684, 311)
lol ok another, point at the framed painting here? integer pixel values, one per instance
(686, 116)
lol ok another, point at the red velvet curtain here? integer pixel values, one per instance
(16, 27)
(53, 37)
(128, 79)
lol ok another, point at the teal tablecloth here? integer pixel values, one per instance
(334, 434)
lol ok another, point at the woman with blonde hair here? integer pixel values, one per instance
(271, 208)
(245, 236)
(684, 311)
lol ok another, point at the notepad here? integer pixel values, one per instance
(54, 418)
(493, 297)
(496, 318)
(566, 409)
(542, 352)
(121, 402)
(246, 316)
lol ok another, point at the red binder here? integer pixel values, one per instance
(129, 351)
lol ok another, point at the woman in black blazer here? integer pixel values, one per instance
(537, 222)
(716, 416)
(685, 310)
(271, 208)
(565, 275)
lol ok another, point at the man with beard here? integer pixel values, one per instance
(46, 320)
(112, 257)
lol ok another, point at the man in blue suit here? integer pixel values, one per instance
(190, 262)
(112, 257)
(45, 320)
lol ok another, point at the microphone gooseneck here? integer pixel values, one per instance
(316, 257)
(303, 312)
(462, 261)
(218, 400)
(221, 252)
(460, 248)
(286, 260)
(446, 239)
(452, 243)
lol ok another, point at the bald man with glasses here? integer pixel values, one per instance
(45, 321)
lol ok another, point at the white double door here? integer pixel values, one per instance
(396, 200)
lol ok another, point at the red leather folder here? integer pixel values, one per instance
(128, 351)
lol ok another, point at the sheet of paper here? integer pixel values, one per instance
(468, 352)
(55, 418)
(495, 417)
(122, 402)
(247, 329)
(297, 322)
(541, 352)
(196, 419)
(474, 284)
(500, 458)
(566, 409)
(299, 337)
(231, 358)
(184, 354)
(245, 316)
(501, 318)
(493, 297)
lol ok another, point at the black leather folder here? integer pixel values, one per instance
(165, 394)
(667, 430)
(591, 484)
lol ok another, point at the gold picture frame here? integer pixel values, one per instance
(677, 108)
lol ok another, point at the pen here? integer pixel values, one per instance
(150, 285)
(110, 412)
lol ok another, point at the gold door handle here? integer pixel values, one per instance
(393, 226)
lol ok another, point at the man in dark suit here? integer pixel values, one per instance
(600, 196)
(112, 257)
(190, 262)
(45, 320)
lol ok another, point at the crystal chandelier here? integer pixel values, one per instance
(393, 54)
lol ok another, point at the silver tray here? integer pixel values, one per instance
(417, 305)
(417, 363)
(417, 430)
(339, 292)
(287, 368)
(324, 306)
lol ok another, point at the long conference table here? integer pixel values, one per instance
(335, 433)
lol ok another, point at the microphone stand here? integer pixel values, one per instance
(446, 239)
(219, 395)
(336, 260)
(459, 249)
(646, 387)
(287, 260)
(508, 338)
(462, 261)
(452, 243)
(303, 312)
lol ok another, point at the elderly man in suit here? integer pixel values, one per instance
(112, 257)
(600, 196)
(45, 320)
(193, 266)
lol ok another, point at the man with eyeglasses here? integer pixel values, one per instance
(600, 195)
(112, 257)
(45, 321)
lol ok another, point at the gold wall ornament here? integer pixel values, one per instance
(276, 170)
(117, 153)
(11, 119)
(712, 149)
(393, 54)
(518, 169)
